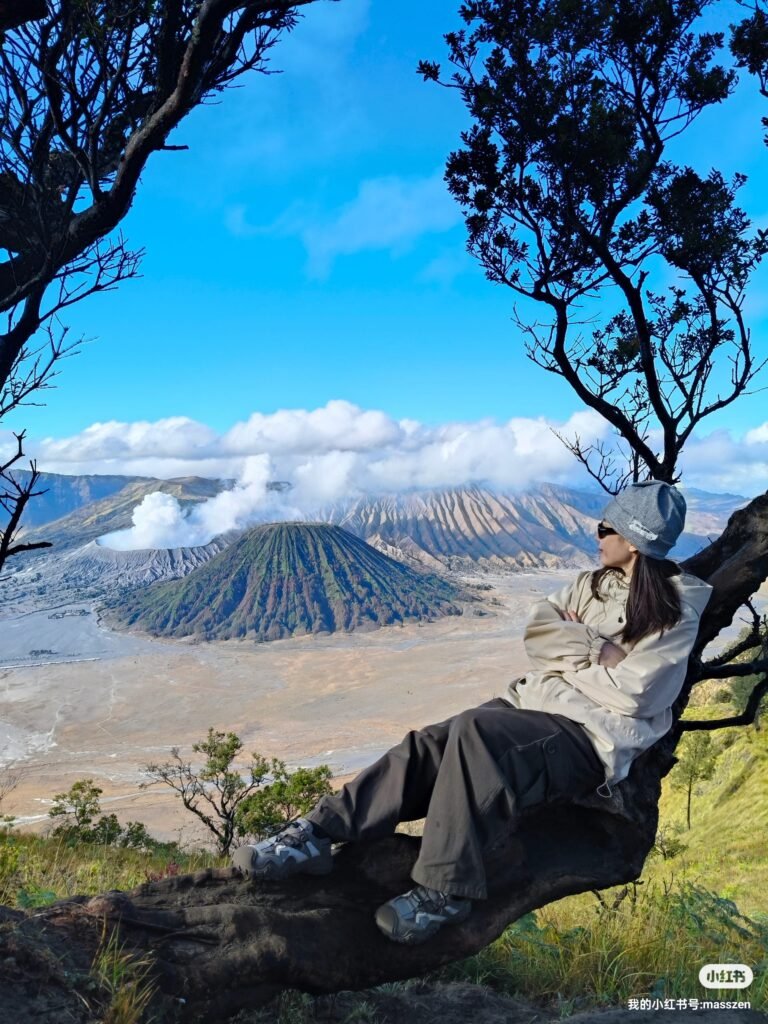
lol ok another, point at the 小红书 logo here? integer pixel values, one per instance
(725, 976)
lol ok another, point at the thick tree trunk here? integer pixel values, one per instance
(221, 944)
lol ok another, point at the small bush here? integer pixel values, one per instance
(227, 802)
(76, 812)
(287, 797)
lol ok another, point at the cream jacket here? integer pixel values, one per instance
(625, 709)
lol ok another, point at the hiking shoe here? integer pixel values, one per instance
(296, 850)
(416, 915)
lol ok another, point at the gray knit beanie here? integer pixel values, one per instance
(650, 515)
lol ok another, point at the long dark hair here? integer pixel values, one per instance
(654, 601)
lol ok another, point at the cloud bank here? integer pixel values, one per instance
(341, 451)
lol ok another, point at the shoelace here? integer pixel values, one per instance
(295, 838)
(430, 900)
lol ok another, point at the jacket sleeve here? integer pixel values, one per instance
(651, 676)
(553, 643)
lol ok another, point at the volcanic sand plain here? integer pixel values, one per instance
(80, 701)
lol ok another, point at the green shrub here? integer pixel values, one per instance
(288, 796)
(227, 802)
(76, 811)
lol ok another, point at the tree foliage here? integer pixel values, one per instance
(228, 802)
(76, 815)
(570, 195)
(288, 796)
(749, 45)
(696, 763)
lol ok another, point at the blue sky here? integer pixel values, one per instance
(305, 251)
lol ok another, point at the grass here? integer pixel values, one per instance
(36, 871)
(125, 978)
(729, 817)
(578, 953)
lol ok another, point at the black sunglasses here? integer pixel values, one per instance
(604, 531)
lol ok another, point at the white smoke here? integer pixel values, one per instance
(161, 522)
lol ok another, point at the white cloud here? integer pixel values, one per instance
(337, 425)
(166, 438)
(720, 462)
(160, 521)
(157, 522)
(387, 213)
(340, 451)
(757, 434)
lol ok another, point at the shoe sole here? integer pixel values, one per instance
(389, 923)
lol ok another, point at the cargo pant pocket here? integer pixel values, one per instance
(527, 772)
(559, 768)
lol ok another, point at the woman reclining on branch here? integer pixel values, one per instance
(609, 655)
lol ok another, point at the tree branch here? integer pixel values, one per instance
(747, 717)
(738, 670)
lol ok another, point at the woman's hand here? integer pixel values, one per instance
(610, 655)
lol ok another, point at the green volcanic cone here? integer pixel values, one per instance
(284, 579)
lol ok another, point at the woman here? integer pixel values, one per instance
(609, 656)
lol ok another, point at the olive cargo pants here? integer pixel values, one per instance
(468, 777)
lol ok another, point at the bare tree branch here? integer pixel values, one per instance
(754, 638)
(749, 668)
(13, 500)
(87, 95)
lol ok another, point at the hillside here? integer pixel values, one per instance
(114, 509)
(548, 526)
(466, 528)
(725, 846)
(63, 494)
(283, 579)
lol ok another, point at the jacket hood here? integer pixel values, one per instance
(693, 591)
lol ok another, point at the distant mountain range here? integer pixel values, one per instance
(471, 527)
(457, 530)
(62, 494)
(285, 579)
